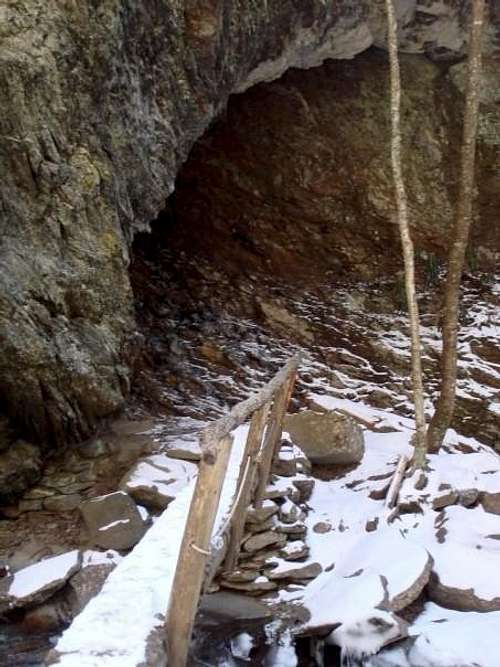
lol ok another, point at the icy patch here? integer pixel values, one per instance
(241, 645)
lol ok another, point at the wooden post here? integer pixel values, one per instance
(272, 441)
(245, 484)
(195, 549)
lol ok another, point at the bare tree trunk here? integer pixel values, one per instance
(446, 402)
(406, 241)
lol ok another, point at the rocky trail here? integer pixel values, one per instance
(314, 538)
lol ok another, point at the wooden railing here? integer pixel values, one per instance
(198, 560)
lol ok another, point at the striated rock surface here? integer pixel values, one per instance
(99, 108)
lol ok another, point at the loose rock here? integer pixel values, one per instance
(263, 540)
(326, 438)
(113, 521)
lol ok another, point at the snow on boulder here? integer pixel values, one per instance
(363, 636)
(326, 438)
(37, 582)
(156, 480)
(446, 638)
(404, 565)
(113, 521)
(330, 600)
(465, 570)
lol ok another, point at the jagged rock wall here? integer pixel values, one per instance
(100, 103)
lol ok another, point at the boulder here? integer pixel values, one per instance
(326, 438)
(37, 582)
(156, 480)
(490, 502)
(20, 467)
(113, 521)
(85, 585)
(305, 487)
(462, 599)
(322, 527)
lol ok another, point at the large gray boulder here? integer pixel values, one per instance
(113, 521)
(326, 438)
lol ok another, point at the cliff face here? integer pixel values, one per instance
(100, 103)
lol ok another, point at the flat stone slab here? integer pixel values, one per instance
(466, 560)
(187, 450)
(156, 480)
(289, 512)
(224, 605)
(260, 585)
(37, 582)
(294, 571)
(264, 540)
(294, 550)
(405, 565)
(113, 521)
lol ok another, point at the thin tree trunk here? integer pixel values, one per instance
(443, 415)
(406, 241)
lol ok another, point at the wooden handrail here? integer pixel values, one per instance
(211, 435)
(196, 548)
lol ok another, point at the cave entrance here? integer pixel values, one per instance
(268, 202)
(290, 191)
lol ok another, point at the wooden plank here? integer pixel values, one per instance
(272, 440)
(193, 554)
(215, 431)
(245, 484)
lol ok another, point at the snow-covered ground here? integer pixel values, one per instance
(371, 560)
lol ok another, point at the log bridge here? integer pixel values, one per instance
(201, 553)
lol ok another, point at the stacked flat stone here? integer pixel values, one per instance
(273, 550)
